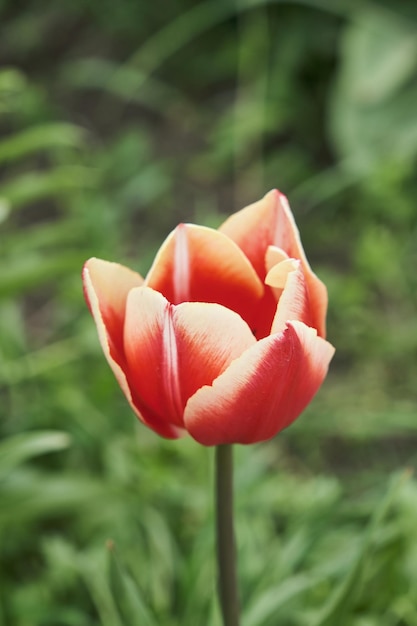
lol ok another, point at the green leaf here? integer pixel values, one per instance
(270, 602)
(29, 271)
(59, 182)
(12, 83)
(28, 494)
(38, 138)
(342, 600)
(41, 361)
(372, 110)
(20, 448)
(126, 594)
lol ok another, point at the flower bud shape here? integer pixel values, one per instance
(225, 337)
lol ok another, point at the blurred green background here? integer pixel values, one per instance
(118, 120)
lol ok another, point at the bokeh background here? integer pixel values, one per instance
(118, 120)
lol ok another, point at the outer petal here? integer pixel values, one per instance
(172, 351)
(261, 392)
(270, 222)
(106, 286)
(200, 264)
(110, 283)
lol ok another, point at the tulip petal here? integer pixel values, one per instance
(172, 351)
(262, 391)
(196, 263)
(270, 222)
(293, 303)
(274, 256)
(106, 286)
(110, 283)
(266, 309)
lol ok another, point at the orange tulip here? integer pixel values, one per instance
(224, 338)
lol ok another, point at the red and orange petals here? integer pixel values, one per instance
(253, 229)
(270, 222)
(109, 283)
(171, 351)
(106, 286)
(274, 256)
(288, 238)
(294, 303)
(196, 263)
(224, 338)
(261, 392)
(152, 420)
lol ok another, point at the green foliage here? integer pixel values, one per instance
(117, 121)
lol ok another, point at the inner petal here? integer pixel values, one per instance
(294, 301)
(200, 264)
(181, 269)
(271, 222)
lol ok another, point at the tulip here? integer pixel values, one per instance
(225, 337)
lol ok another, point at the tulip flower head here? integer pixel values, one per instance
(225, 337)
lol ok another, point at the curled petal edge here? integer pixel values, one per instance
(262, 391)
(165, 430)
(293, 302)
(267, 222)
(190, 252)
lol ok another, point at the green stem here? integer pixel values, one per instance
(226, 549)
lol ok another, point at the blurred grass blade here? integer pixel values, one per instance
(199, 19)
(38, 138)
(124, 82)
(22, 447)
(40, 361)
(93, 574)
(12, 84)
(180, 31)
(28, 495)
(126, 594)
(250, 111)
(28, 188)
(372, 108)
(342, 600)
(269, 603)
(63, 233)
(28, 272)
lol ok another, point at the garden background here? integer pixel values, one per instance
(118, 120)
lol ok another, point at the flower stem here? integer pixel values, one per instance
(226, 549)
